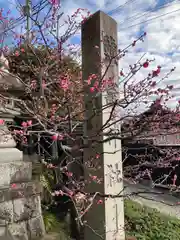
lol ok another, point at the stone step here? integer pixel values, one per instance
(7, 141)
(14, 172)
(10, 155)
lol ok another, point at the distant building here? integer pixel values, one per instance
(152, 152)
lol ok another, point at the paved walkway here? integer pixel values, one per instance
(158, 199)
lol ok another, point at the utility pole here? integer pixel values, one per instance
(59, 39)
(28, 26)
(27, 14)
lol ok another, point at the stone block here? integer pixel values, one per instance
(6, 139)
(2, 231)
(36, 228)
(10, 155)
(21, 171)
(6, 213)
(26, 189)
(4, 175)
(21, 190)
(26, 208)
(11, 172)
(18, 231)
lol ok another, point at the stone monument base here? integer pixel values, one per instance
(20, 212)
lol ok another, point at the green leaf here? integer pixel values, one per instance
(45, 183)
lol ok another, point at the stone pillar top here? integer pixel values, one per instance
(8, 79)
(4, 64)
(8, 150)
(8, 83)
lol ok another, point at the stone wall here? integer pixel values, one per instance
(20, 212)
(20, 205)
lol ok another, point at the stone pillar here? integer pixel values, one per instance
(99, 44)
(20, 206)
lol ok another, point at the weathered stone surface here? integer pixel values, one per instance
(18, 231)
(6, 213)
(21, 219)
(6, 139)
(4, 175)
(8, 78)
(21, 171)
(2, 231)
(36, 227)
(21, 190)
(26, 208)
(11, 172)
(20, 207)
(10, 155)
(25, 190)
(108, 219)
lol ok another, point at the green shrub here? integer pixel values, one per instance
(52, 224)
(148, 224)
